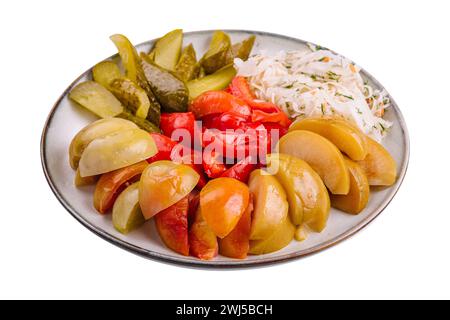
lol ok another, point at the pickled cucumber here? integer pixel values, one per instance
(201, 73)
(134, 72)
(242, 49)
(141, 123)
(96, 99)
(217, 55)
(187, 66)
(131, 95)
(167, 49)
(170, 91)
(128, 55)
(130, 60)
(105, 72)
(154, 112)
(216, 81)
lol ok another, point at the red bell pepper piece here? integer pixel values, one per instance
(239, 88)
(172, 124)
(164, 145)
(274, 117)
(241, 170)
(261, 111)
(270, 126)
(218, 102)
(255, 139)
(228, 89)
(229, 144)
(224, 121)
(212, 163)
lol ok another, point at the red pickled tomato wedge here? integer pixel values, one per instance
(194, 202)
(172, 226)
(192, 158)
(237, 243)
(202, 240)
(111, 184)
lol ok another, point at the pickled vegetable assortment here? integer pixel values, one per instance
(185, 142)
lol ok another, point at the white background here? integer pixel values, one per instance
(45, 253)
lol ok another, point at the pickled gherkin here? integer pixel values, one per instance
(130, 60)
(105, 72)
(132, 96)
(96, 99)
(154, 112)
(167, 49)
(170, 91)
(187, 66)
(151, 55)
(134, 72)
(216, 81)
(128, 55)
(141, 123)
(242, 49)
(217, 55)
(201, 73)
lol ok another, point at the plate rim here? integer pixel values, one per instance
(214, 264)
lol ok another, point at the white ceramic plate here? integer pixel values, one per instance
(66, 119)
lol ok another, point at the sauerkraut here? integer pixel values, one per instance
(317, 82)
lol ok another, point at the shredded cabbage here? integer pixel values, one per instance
(317, 82)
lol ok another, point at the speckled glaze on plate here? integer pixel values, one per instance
(66, 119)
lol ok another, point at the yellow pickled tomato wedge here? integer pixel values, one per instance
(92, 131)
(301, 182)
(126, 213)
(344, 135)
(321, 155)
(270, 204)
(301, 233)
(164, 183)
(356, 200)
(115, 151)
(277, 241)
(379, 166)
(80, 181)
